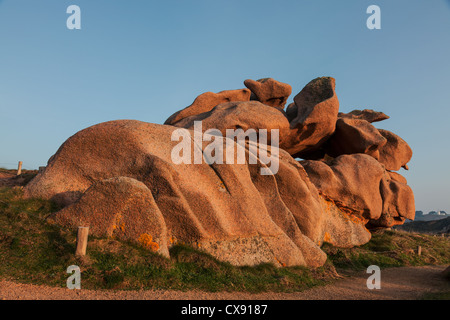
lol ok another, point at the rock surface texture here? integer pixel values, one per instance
(208, 100)
(120, 177)
(355, 136)
(269, 91)
(314, 116)
(366, 114)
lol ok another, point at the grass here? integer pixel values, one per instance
(437, 296)
(25, 177)
(392, 249)
(33, 251)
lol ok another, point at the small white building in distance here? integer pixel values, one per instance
(437, 213)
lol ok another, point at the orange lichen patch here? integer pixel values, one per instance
(196, 244)
(119, 224)
(346, 212)
(147, 242)
(145, 238)
(327, 237)
(154, 246)
(355, 219)
(281, 263)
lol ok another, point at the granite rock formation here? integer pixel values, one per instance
(120, 178)
(269, 91)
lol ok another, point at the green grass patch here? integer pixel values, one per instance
(436, 296)
(392, 249)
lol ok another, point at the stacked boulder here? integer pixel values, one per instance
(336, 178)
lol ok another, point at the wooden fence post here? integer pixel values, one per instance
(19, 169)
(82, 239)
(419, 250)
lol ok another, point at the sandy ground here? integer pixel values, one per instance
(396, 283)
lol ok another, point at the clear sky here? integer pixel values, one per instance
(144, 60)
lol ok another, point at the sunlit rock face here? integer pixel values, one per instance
(120, 178)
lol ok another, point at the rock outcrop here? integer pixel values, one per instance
(212, 206)
(208, 100)
(398, 202)
(159, 185)
(240, 115)
(396, 153)
(269, 91)
(120, 207)
(316, 108)
(355, 136)
(366, 114)
(353, 181)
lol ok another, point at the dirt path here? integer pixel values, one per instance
(396, 283)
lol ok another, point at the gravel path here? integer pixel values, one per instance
(396, 283)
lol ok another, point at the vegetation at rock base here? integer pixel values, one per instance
(392, 249)
(437, 296)
(23, 179)
(34, 251)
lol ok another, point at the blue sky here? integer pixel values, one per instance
(146, 59)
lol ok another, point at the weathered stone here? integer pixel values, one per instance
(291, 112)
(354, 136)
(251, 115)
(131, 180)
(342, 227)
(352, 181)
(317, 109)
(359, 185)
(398, 202)
(121, 208)
(208, 100)
(396, 153)
(269, 91)
(366, 114)
(200, 203)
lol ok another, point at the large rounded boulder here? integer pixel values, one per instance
(312, 117)
(220, 208)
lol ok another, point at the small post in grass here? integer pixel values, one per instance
(82, 239)
(419, 250)
(19, 169)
